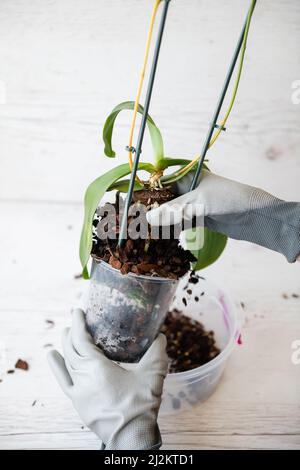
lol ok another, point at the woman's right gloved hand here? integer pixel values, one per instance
(237, 210)
(120, 406)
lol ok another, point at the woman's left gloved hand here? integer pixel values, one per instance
(119, 405)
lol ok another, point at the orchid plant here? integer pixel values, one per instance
(115, 179)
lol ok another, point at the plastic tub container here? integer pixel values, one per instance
(124, 313)
(217, 312)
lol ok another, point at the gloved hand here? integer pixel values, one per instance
(237, 210)
(120, 406)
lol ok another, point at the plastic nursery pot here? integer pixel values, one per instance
(217, 312)
(124, 313)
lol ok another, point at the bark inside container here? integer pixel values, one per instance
(125, 313)
(131, 289)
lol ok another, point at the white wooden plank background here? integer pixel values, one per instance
(64, 65)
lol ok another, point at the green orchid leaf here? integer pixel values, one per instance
(123, 186)
(167, 162)
(168, 179)
(93, 195)
(156, 138)
(214, 245)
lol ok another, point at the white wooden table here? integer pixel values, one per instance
(64, 66)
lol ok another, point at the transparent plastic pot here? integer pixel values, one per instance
(124, 313)
(216, 311)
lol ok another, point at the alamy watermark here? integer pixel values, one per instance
(2, 358)
(170, 222)
(295, 357)
(3, 92)
(296, 93)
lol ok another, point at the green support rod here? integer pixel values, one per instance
(138, 150)
(213, 125)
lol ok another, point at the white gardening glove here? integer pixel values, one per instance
(119, 405)
(237, 210)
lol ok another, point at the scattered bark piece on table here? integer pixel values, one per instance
(50, 323)
(20, 364)
(78, 276)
